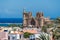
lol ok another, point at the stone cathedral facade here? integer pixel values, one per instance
(37, 21)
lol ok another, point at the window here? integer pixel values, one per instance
(8, 37)
(20, 36)
(13, 38)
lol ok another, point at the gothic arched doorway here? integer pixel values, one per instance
(32, 21)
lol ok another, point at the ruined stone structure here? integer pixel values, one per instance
(37, 21)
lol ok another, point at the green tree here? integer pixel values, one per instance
(44, 29)
(15, 25)
(49, 25)
(20, 25)
(26, 35)
(57, 20)
(12, 25)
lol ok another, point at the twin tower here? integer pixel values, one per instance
(37, 21)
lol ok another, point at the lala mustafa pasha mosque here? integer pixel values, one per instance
(37, 21)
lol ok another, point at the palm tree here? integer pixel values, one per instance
(56, 33)
(44, 36)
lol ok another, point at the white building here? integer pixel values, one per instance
(15, 35)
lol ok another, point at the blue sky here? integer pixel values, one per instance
(14, 8)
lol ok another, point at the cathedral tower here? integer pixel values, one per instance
(30, 17)
(42, 19)
(39, 19)
(25, 18)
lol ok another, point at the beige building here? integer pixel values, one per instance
(37, 21)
